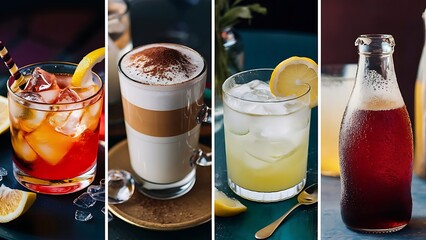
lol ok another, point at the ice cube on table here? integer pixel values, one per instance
(110, 217)
(3, 172)
(49, 144)
(22, 148)
(93, 189)
(82, 216)
(40, 81)
(121, 186)
(100, 196)
(97, 192)
(84, 201)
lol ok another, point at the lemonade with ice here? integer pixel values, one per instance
(54, 128)
(266, 138)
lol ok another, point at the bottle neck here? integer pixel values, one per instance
(376, 65)
(376, 87)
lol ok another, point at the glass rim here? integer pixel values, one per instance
(278, 100)
(55, 106)
(119, 15)
(339, 71)
(184, 84)
(376, 35)
(375, 44)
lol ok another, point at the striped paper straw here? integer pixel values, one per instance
(13, 69)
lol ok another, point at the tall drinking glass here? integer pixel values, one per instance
(119, 42)
(266, 138)
(336, 86)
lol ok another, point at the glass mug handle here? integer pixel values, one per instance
(199, 157)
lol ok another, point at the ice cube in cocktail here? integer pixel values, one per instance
(266, 140)
(54, 129)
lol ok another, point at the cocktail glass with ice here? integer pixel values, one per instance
(266, 138)
(54, 128)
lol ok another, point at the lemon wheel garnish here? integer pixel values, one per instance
(290, 75)
(225, 206)
(14, 203)
(84, 67)
(4, 115)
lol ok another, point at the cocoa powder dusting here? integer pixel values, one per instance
(161, 62)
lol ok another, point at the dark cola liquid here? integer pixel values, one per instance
(376, 152)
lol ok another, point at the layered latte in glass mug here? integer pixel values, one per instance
(162, 88)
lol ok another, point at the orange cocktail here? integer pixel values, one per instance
(54, 128)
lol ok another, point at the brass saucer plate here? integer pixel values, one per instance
(190, 210)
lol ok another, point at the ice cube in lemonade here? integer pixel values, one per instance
(266, 161)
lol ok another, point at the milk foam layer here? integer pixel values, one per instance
(138, 66)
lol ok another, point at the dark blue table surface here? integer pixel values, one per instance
(267, 49)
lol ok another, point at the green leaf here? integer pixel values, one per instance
(231, 17)
(257, 8)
